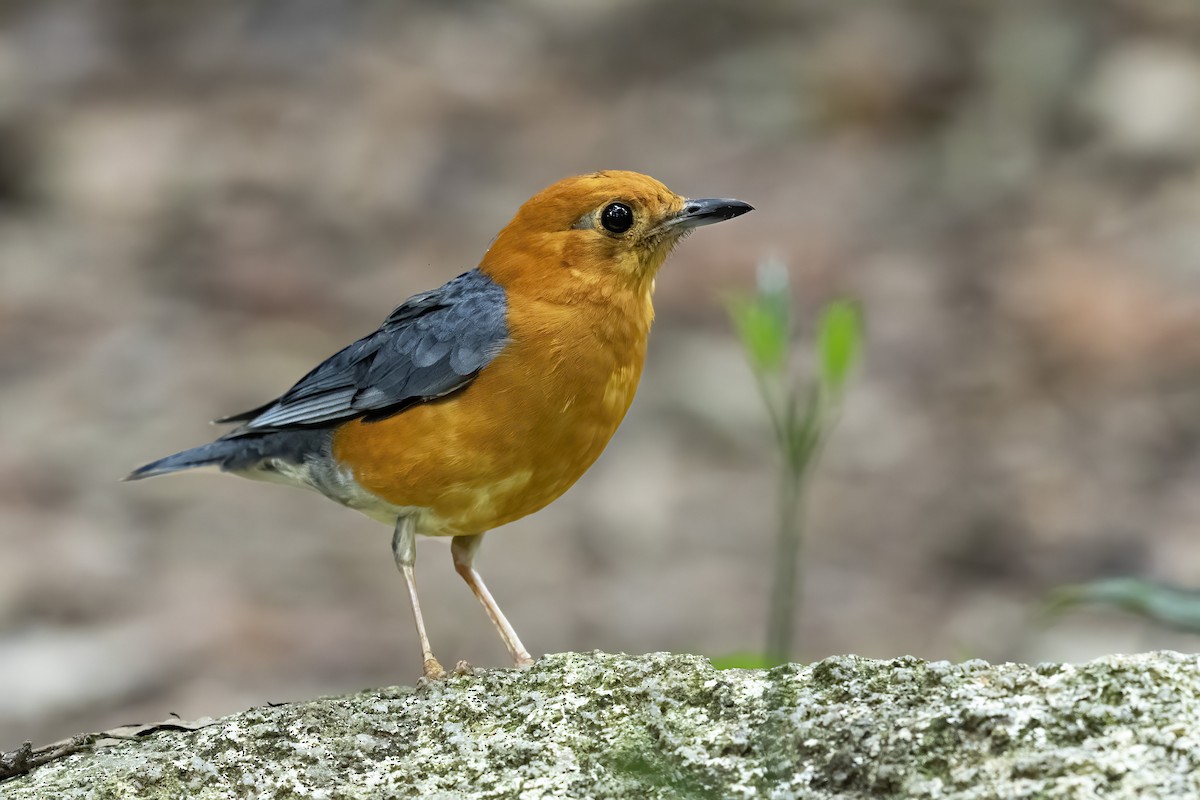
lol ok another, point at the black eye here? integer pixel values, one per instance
(617, 217)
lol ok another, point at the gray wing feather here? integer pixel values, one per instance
(433, 344)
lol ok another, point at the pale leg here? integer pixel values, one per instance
(463, 548)
(404, 548)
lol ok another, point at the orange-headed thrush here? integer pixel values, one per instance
(483, 400)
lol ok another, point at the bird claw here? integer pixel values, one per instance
(463, 668)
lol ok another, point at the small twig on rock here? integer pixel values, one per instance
(26, 758)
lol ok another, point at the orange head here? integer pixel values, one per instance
(610, 229)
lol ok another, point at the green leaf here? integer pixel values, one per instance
(763, 326)
(839, 340)
(744, 661)
(1176, 608)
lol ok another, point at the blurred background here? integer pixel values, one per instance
(198, 201)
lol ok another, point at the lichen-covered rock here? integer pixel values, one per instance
(670, 726)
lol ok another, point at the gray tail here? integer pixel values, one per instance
(240, 452)
(219, 452)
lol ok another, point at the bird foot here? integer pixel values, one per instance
(433, 670)
(463, 668)
(523, 661)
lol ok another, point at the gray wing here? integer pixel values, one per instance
(432, 345)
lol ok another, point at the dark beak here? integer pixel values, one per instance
(705, 212)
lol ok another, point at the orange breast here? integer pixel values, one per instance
(518, 436)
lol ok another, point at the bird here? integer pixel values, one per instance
(481, 401)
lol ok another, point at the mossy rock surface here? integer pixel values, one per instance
(670, 726)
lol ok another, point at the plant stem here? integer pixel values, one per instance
(786, 586)
(768, 389)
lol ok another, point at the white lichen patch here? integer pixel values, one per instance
(669, 726)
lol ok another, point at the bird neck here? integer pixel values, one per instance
(570, 263)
